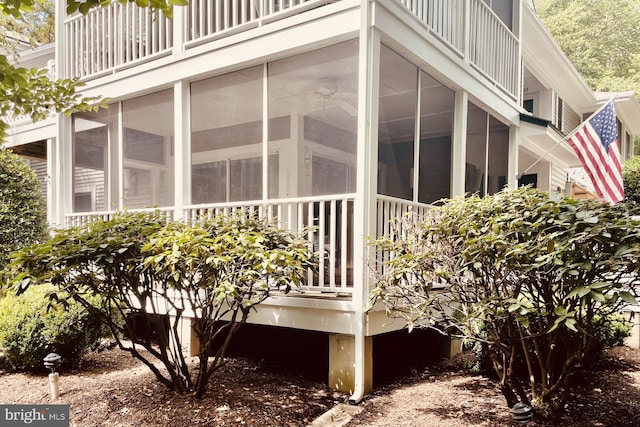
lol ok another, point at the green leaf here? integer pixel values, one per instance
(628, 297)
(571, 324)
(560, 311)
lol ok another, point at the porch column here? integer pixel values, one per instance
(350, 355)
(512, 168)
(342, 367)
(181, 148)
(61, 162)
(459, 149)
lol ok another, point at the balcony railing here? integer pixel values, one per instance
(114, 36)
(493, 48)
(488, 44)
(329, 219)
(121, 35)
(208, 18)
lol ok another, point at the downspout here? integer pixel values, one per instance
(363, 208)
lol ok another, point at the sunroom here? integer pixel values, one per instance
(281, 139)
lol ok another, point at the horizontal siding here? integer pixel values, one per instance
(558, 179)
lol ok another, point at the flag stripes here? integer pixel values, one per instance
(596, 145)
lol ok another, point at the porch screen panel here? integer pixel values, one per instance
(476, 154)
(148, 150)
(226, 137)
(487, 153)
(95, 180)
(498, 155)
(313, 99)
(396, 124)
(436, 129)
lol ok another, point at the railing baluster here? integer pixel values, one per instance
(332, 243)
(344, 240)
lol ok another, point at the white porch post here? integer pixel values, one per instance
(512, 168)
(181, 148)
(61, 162)
(458, 156)
(358, 347)
(52, 190)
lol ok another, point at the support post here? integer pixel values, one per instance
(342, 369)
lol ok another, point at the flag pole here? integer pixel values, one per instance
(540, 158)
(566, 137)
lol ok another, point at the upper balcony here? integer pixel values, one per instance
(122, 36)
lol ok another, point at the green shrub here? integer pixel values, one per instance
(23, 218)
(29, 330)
(534, 277)
(631, 179)
(614, 332)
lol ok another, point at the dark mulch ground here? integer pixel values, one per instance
(114, 389)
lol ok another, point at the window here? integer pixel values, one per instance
(401, 84)
(437, 103)
(397, 123)
(559, 118)
(315, 95)
(487, 153)
(94, 160)
(226, 137)
(527, 104)
(503, 9)
(148, 150)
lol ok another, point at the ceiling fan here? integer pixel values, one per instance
(327, 91)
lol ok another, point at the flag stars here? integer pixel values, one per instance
(604, 123)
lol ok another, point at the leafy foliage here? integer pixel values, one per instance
(631, 179)
(155, 273)
(29, 330)
(37, 23)
(22, 209)
(600, 37)
(534, 277)
(30, 92)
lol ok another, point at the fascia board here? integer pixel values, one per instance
(545, 59)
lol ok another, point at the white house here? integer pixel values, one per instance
(338, 114)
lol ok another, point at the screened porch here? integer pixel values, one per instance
(281, 140)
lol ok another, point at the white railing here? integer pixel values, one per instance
(391, 208)
(112, 36)
(122, 34)
(80, 219)
(389, 213)
(443, 17)
(493, 48)
(210, 17)
(329, 220)
(119, 34)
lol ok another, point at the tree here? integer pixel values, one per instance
(599, 37)
(31, 92)
(155, 273)
(37, 24)
(23, 218)
(533, 277)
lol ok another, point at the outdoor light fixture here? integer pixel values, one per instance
(521, 412)
(52, 361)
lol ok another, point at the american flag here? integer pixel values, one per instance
(596, 145)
